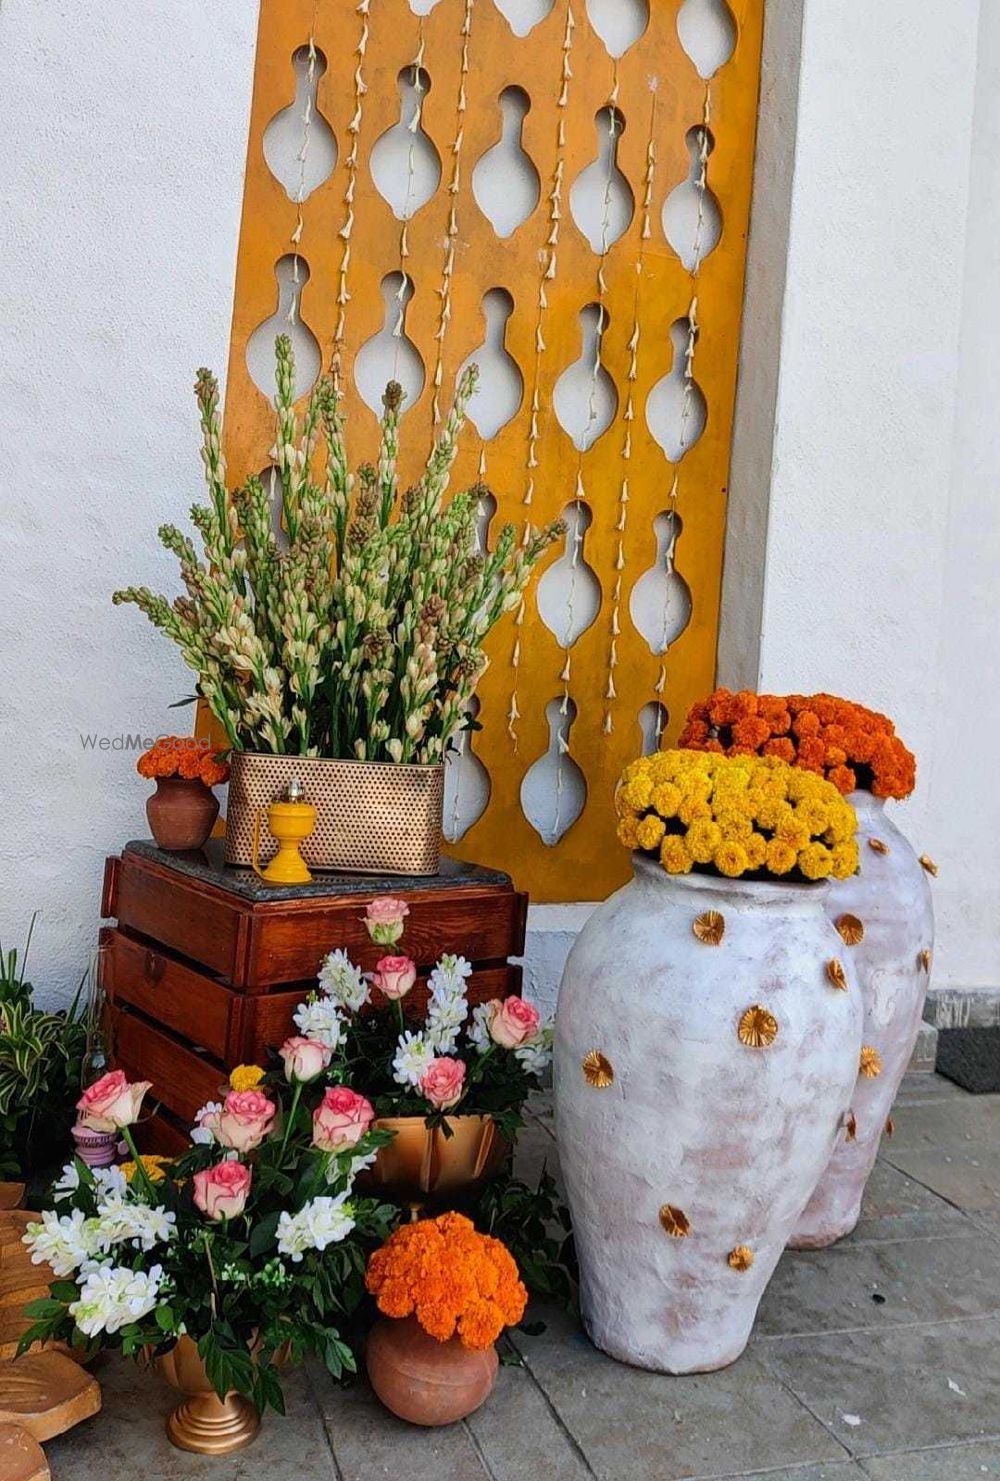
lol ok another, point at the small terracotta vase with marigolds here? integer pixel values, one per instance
(445, 1292)
(183, 809)
(181, 813)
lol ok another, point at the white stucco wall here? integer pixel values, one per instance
(882, 546)
(124, 132)
(124, 137)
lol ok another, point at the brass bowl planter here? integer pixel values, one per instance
(204, 1423)
(421, 1162)
(372, 817)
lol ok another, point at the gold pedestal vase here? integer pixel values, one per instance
(204, 1423)
(422, 1163)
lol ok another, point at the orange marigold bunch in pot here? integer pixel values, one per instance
(446, 1293)
(183, 809)
(855, 748)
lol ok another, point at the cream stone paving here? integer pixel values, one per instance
(872, 1361)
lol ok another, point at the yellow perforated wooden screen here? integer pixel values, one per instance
(569, 207)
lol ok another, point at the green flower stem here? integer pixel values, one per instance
(296, 1097)
(142, 1176)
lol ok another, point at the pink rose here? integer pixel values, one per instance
(221, 1191)
(304, 1059)
(443, 1082)
(394, 976)
(384, 918)
(244, 1121)
(341, 1119)
(513, 1023)
(111, 1102)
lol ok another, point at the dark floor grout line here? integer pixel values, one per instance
(337, 1471)
(945, 1321)
(926, 1186)
(776, 1378)
(842, 1248)
(479, 1452)
(560, 1423)
(940, 1445)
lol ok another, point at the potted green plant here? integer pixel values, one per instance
(40, 1062)
(347, 650)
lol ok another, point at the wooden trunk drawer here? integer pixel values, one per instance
(181, 1079)
(483, 926)
(173, 911)
(176, 995)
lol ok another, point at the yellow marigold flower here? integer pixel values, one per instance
(674, 855)
(697, 785)
(798, 784)
(650, 831)
(845, 860)
(813, 815)
(756, 849)
(637, 791)
(691, 809)
(246, 1076)
(152, 1165)
(735, 824)
(815, 861)
(628, 831)
(731, 859)
(792, 832)
(666, 799)
(702, 839)
(780, 856)
(843, 824)
(768, 813)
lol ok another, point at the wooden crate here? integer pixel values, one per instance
(206, 965)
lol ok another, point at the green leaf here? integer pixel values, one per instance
(263, 1235)
(165, 1319)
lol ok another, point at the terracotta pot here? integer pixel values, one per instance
(890, 897)
(425, 1381)
(423, 1163)
(181, 813)
(204, 1423)
(701, 1083)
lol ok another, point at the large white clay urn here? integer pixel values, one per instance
(707, 1041)
(885, 916)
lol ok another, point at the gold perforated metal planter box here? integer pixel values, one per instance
(372, 817)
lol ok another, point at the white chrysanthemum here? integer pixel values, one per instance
(536, 1056)
(112, 1296)
(413, 1054)
(119, 1222)
(342, 981)
(109, 1181)
(321, 1222)
(479, 1030)
(319, 1019)
(64, 1241)
(200, 1133)
(448, 977)
(67, 1183)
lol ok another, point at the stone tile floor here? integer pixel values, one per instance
(876, 1360)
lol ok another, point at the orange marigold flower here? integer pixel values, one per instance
(451, 1276)
(781, 747)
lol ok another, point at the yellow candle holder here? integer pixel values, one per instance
(291, 821)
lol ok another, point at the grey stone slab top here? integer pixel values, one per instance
(208, 866)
